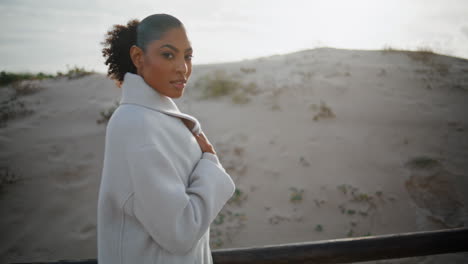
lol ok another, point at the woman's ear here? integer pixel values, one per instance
(136, 54)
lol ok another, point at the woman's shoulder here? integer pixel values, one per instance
(132, 113)
(138, 120)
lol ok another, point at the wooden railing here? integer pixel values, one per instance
(341, 250)
(351, 249)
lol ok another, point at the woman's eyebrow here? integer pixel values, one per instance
(174, 48)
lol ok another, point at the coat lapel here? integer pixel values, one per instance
(136, 91)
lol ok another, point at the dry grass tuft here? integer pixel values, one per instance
(324, 112)
(219, 84)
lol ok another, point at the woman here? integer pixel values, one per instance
(162, 183)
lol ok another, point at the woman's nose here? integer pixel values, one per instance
(182, 67)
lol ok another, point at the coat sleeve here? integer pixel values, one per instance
(176, 217)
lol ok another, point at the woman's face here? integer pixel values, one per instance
(167, 63)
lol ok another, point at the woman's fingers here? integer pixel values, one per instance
(205, 145)
(188, 124)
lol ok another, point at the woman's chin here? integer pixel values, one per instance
(177, 94)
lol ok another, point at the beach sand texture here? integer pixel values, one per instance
(322, 144)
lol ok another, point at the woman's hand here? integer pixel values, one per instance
(205, 145)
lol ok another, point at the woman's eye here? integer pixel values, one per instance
(188, 57)
(168, 55)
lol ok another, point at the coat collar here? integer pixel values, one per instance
(136, 91)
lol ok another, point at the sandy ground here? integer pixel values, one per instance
(322, 144)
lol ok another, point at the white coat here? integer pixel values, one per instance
(159, 193)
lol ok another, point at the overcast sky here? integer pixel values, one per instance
(48, 35)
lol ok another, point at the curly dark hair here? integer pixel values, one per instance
(116, 49)
(121, 38)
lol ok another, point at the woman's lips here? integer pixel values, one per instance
(178, 84)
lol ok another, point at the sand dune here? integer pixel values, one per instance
(322, 144)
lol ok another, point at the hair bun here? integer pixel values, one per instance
(116, 49)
